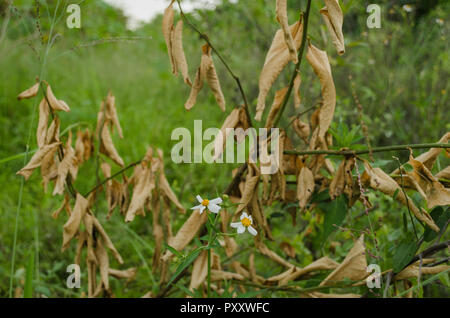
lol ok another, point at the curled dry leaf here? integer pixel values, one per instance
(206, 72)
(428, 158)
(296, 87)
(103, 263)
(251, 184)
(379, 180)
(323, 263)
(141, 193)
(107, 241)
(38, 159)
(186, 233)
(111, 114)
(432, 190)
(301, 129)
(199, 270)
(282, 18)
(305, 187)
(353, 267)
(30, 92)
(276, 105)
(66, 165)
(52, 134)
(54, 103)
(321, 66)
(178, 52)
(127, 274)
(167, 28)
(413, 270)
(44, 113)
(263, 249)
(107, 147)
(73, 223)
(217, 275)
(277, 58)
(342, 181)
(333, 17)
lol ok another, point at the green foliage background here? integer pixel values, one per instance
(400, 73)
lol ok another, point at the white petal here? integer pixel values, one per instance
(197, 207)
(214, 208)
(241, 229)
(250, 218)
(202, 208)
(236, 225)
(252, 231)
(244, 215)
(216, 201)
(199, 198)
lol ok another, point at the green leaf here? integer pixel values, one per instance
(335, 212)
(395, 194)
(440, 218)
(321, 196)
(189, 259)
(405, 223)
(404, 254)
(408, 167)
(28, 289)
(174, 251)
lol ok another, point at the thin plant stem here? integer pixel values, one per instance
(366, 151)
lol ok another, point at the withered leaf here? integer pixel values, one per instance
(321, 66)
(305, 187)
(38, 159)
(178, 52)
(44, 113)
(333, 17)
(107, 147)
(30, 92)
(353, 267)
(276, 106)
(277, 58)
(141, 193)
(167, 28)
(199, 270)
(281, 13)
(186, 233)
(379, 180)
(54, 103)
(73, 223)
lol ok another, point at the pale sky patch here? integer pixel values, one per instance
(138, 11)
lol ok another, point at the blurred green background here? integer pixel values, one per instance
(400, 72)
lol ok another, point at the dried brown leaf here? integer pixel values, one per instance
(353, 267)
(333, 17)
(277, 58)
(38, 159)
(30, 92)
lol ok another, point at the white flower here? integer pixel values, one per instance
(246, 222)
(212, 205)
(440, 21)
(407, 8)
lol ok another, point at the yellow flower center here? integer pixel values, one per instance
(246, 222)
(205, 202)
